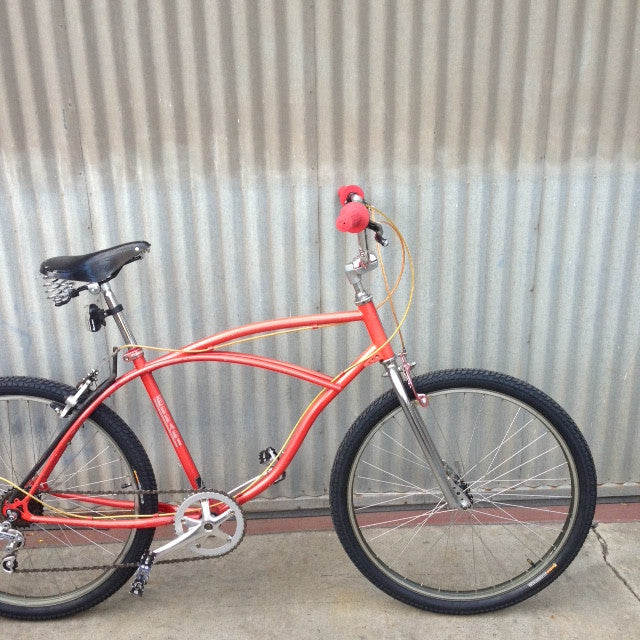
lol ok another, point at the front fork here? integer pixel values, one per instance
(452, 487)
(452, 490)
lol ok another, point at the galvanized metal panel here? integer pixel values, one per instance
(502, 136)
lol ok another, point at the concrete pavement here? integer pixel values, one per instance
(302, 585)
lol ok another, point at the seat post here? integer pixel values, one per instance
(116, 312)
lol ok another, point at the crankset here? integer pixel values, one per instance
(209, 523)
(212, 522)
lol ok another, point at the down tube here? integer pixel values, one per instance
(317, 406)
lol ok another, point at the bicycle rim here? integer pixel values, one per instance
(513, 464)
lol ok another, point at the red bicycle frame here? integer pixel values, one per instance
(207, 351)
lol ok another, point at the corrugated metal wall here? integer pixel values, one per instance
(502, 136)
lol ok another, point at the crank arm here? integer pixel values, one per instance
(188, 537)
(208, 526)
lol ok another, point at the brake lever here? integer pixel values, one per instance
(377, 229)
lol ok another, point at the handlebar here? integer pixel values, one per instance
(349, 193)
(354, 216)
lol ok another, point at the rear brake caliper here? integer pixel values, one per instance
(72, 401)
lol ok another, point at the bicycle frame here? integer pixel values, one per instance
(207, 351)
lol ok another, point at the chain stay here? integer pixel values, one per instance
(124, 565)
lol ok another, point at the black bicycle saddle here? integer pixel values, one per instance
(99, 266)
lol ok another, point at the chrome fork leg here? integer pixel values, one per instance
(454, 495)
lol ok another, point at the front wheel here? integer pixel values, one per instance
(516, 454)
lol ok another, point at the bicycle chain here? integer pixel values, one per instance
(126, 565)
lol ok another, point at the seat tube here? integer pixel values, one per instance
(135, 355)
(169, 424)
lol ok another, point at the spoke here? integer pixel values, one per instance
(420, 463)
(64, 541)
(417, 459)
(6, 465)
(509, 529)
(435, 557)
(473, 556)
(93, 542)
(496, 560)
(528, 496)
(528, 507)
(72, 458)
(109, 463)
(85, 485)
(7, 444)
(520, 466)
(62, 477)
(417, 530)
(396, 484)
(495, 450)
(526, 480)
(395, 498)
(501, 519)
(393, 475)
(552, 481)
(475, 428)
(439, 509)
(519, 452)
(504, 438)
(49, 530)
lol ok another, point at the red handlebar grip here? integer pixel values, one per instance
(353, 218)
(346, 191)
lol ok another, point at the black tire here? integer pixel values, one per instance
(104, 456)
(515, 453)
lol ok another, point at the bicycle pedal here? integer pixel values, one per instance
(267, 456)
(142, 574)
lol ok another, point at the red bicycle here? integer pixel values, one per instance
(457, 491)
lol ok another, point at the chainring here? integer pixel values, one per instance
(221, 529)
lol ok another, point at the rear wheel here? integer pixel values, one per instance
(514, 452)
(65, 569)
